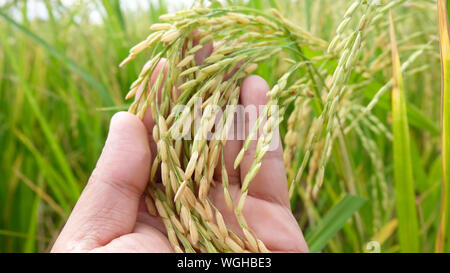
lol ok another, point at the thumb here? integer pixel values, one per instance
(108, 206)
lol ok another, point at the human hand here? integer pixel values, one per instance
(111, 216)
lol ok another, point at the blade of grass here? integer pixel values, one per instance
(30, 242)
(385, 232)
(11, 233)
(333, 221)
(42, 194)
(56, 182)
(442, 240)
(404, 185)
(274, 4)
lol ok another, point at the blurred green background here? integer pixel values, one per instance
(60, 84)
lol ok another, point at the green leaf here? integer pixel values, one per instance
(333, 221)
(408, 231)
(443, 239)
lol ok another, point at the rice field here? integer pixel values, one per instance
(363, 109)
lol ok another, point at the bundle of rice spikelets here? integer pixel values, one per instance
(242, 39)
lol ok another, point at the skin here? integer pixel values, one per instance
(110, 215)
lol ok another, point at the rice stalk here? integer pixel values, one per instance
(442, 240)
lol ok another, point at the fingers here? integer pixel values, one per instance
(265, 218)
(270, 183)
(144, 239)
(108, 205)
